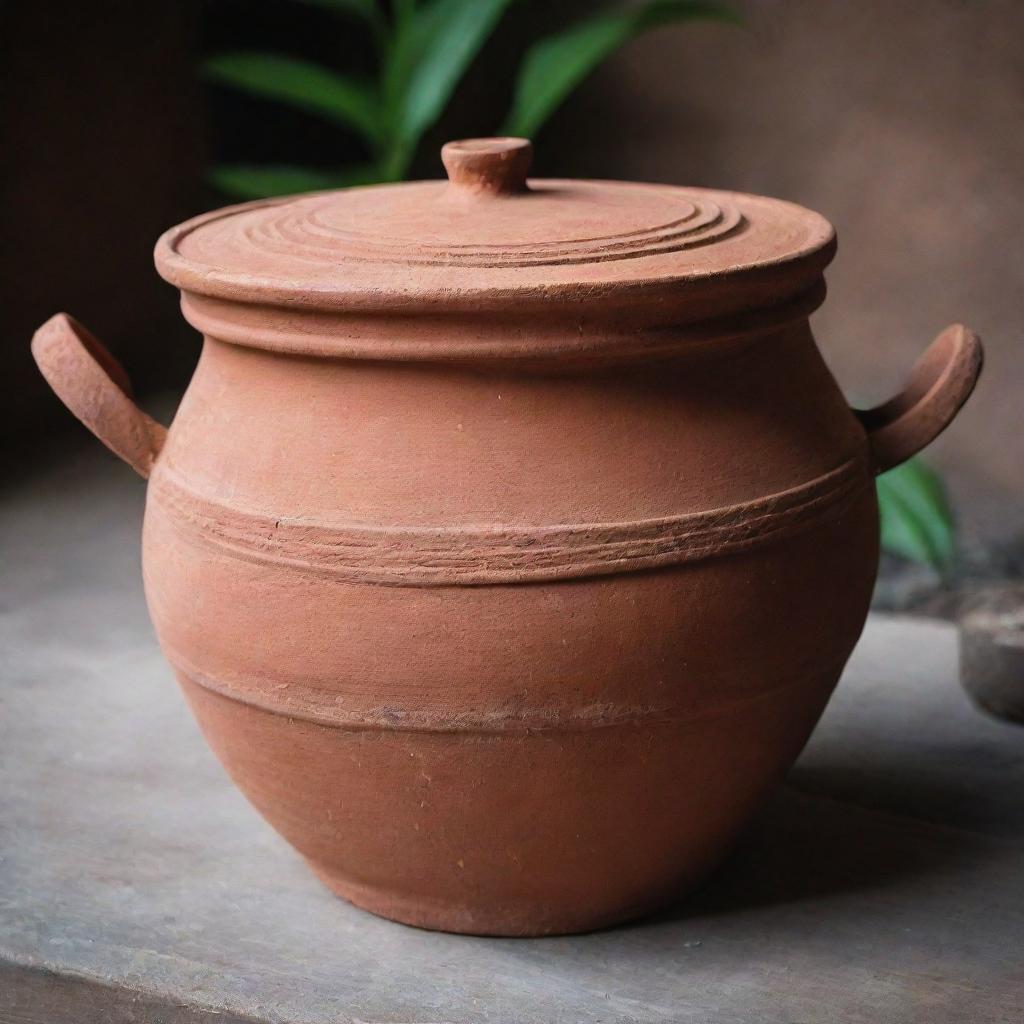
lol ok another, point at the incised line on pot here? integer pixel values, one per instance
(299, 700)
(407, 556)
(299, 232)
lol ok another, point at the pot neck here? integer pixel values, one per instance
(558, 339)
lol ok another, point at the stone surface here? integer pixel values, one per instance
(882, 883)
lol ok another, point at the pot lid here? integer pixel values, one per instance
(489, 237)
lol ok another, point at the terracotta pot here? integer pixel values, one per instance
(510, 538)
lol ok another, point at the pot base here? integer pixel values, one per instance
(511, 922)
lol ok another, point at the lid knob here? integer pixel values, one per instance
(496, 167)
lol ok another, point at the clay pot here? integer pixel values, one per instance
(510, 537)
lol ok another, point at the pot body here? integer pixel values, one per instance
(511, 647)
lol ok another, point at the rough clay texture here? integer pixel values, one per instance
(463, 614)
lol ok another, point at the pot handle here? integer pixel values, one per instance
(940, 382)
(94, 386)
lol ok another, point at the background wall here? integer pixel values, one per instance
(900, 120)
(100, 150)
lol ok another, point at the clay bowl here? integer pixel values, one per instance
(510, 538)
(992, 651)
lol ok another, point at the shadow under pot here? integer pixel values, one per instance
(512, 534)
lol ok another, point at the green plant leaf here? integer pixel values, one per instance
(442, 39)
(249, 182)
(555, 65)
(917, 522)
(399, 59)
(303, 84)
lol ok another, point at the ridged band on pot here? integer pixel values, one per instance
(550, 337)
(395, 555)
